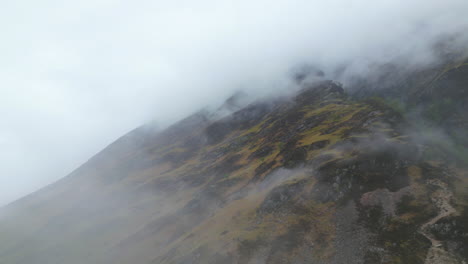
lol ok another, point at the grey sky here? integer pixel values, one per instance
(75, 75)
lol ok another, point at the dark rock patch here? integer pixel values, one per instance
(281, 198)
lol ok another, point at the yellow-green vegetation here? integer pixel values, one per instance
(255, 128)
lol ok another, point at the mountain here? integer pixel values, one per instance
(331, 174)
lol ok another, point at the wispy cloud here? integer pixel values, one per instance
(75, 75)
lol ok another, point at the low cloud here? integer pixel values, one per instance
(76, 75)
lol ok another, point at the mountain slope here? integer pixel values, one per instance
(316, 178)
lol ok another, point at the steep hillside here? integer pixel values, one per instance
(319, 177)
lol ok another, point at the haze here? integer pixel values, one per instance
(76, 75)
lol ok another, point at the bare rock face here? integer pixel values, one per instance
(353, 240)
(385, 199)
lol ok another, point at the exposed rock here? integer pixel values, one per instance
(384, 198)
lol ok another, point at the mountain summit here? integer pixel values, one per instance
(323, 176)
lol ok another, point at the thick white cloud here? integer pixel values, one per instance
(75, 75)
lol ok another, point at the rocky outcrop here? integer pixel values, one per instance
(385, 199)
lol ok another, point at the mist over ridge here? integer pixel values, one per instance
(77, 75)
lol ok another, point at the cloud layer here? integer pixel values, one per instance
(75, 75)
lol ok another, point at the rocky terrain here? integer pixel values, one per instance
(441, 198)
(326, 175)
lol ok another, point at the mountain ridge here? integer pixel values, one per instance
(318, 177)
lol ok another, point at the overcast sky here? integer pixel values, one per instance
(76, 75)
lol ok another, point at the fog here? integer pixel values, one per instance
(76, 75)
